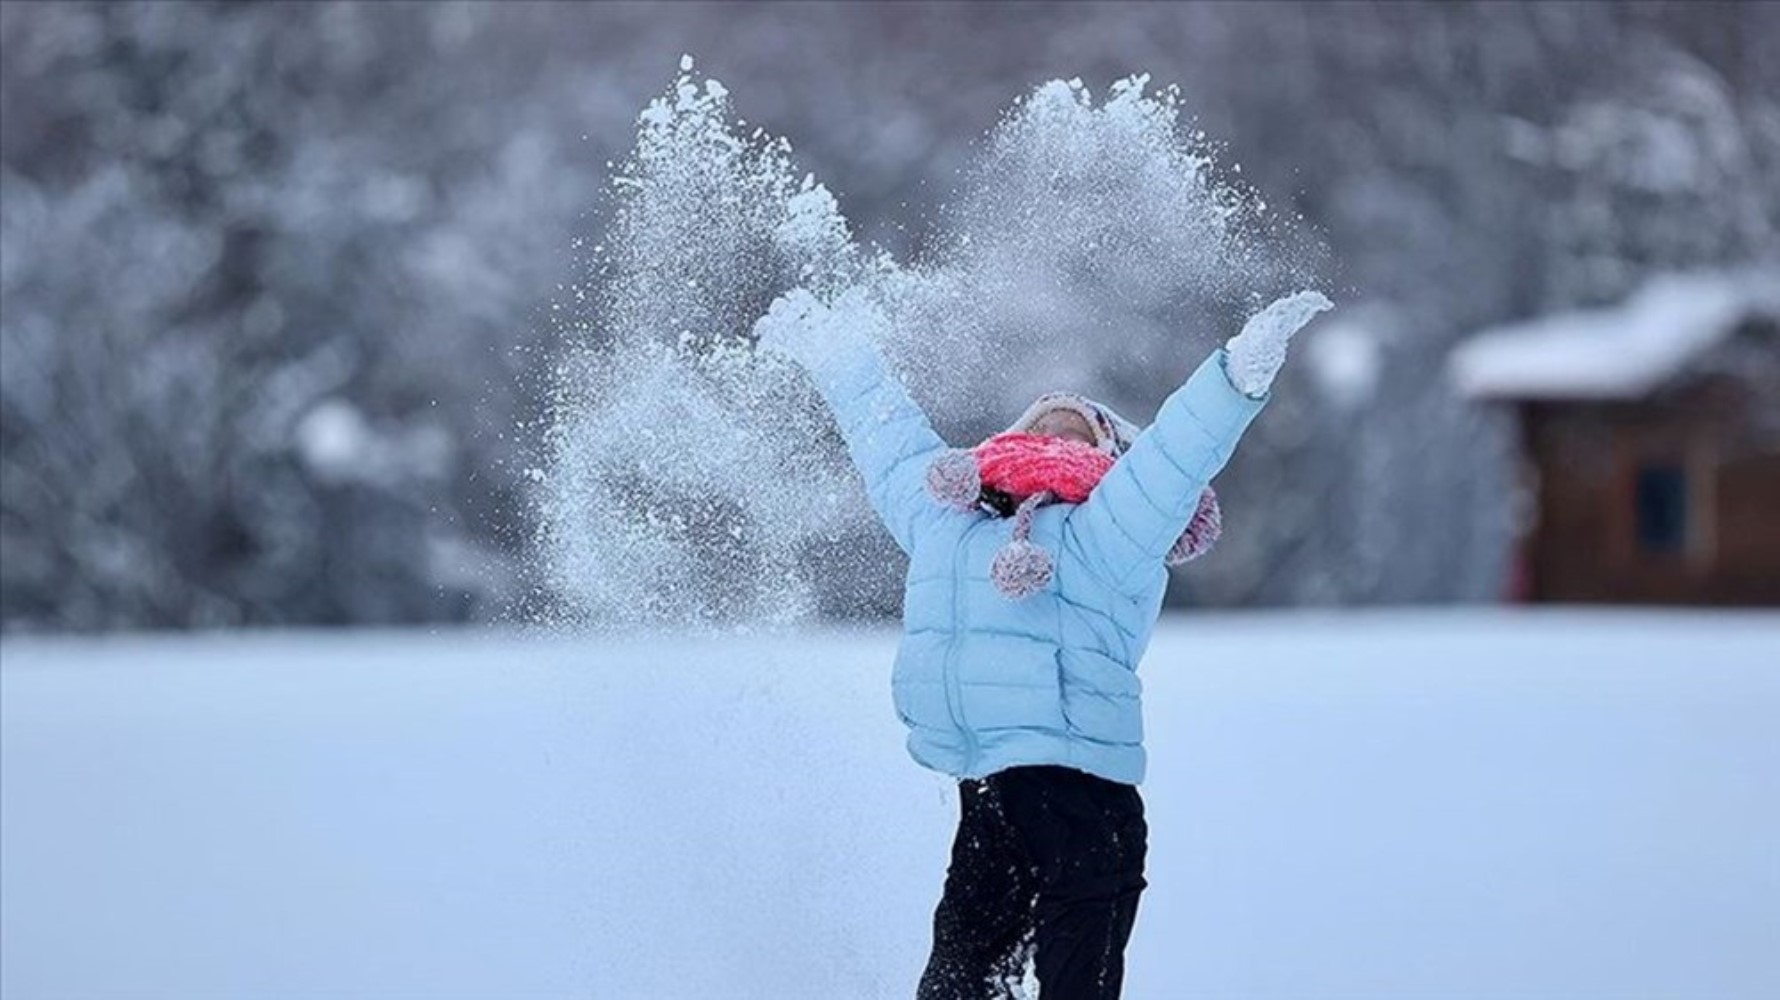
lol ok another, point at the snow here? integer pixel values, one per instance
(1619, 352)
(339, 445)
(1346, 355)
(1481, 804)
(1069, 251)
(334, 439)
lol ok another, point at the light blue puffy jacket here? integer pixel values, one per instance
(985, 682)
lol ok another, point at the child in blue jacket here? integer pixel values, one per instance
(1025, 617)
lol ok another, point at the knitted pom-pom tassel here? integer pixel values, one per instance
(1021, 569)
(952, 479)
(1202, 531)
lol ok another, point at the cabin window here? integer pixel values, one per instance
(1661, 497)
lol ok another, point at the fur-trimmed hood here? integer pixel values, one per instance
(1015, 472)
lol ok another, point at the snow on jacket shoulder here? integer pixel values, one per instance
(985, 682)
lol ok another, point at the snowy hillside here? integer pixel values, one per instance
(1472, 805)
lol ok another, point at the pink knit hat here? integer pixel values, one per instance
(1008, 468)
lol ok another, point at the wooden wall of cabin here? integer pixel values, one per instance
(1672, 500)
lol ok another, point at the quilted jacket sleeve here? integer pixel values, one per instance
(887, 435)
(1128, 523)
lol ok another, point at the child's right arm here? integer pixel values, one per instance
(887, 435)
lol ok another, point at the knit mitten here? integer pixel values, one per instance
(1253, 357)
(802, 328)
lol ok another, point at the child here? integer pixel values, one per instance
(1037, 563)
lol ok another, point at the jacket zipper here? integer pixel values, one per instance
(955, 687)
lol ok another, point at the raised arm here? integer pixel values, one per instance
(1127, 525)
(887, 435)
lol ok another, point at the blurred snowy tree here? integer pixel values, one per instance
(263, 349)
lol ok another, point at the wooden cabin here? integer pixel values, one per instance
(1650, 443)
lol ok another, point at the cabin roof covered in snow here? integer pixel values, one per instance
(1622, 351)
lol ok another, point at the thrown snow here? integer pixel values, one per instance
(1390, 806)
(687, 481)
(1618, 352)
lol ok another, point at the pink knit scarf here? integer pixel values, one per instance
(1035, 469)
(1023, 465)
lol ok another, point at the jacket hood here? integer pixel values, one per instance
(1113, 434)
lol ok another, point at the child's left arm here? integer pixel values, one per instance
(1131, 520)
(888, 437)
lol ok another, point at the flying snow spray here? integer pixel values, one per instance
(689, 482)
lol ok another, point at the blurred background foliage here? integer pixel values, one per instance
(277, 280)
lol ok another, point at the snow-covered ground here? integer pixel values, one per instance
(1471, 805)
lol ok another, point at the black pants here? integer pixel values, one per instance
(1048, 862)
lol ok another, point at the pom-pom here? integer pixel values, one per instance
(1202, 531)
(953, 480)
(1021, 569)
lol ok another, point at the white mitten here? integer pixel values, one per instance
(804, 329)
(792, 325)
(1254, 356)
